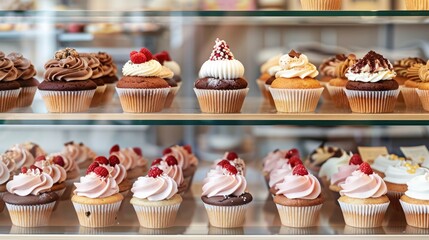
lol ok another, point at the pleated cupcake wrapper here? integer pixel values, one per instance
(221, 101)
(98, 96)
(225, 231)
(125, 193)
(60, 192)
(417, 4)
(226, 216)
(306, 216)
(67, 101)
(394, 199)
(411, 98)
(348, 230)
(416, 215)
(363, 215)
(142, 100)
(296, 100)
(30, 215)
(321, 4)
(108, 93)
(269, 95)
(157, 216)
(170, 97)
(424, 98)
(8, 99)
(339, 96)
(26, 96)
(261, 86)
(325, 94)
(95, 216)
(372, 101)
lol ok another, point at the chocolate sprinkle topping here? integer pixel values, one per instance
(374, 61)
(292, 53)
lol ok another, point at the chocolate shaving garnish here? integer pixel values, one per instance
(66, 52)
(292, 53)
(69, 143)
(341, 57)
(372, 59)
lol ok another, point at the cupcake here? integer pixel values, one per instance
(415, 201)
(132, 159)
(29, 198)
(278, 174)
(331, 166)
(25, 78)
(382, 162)
(423, 87)
(67, 86)
(80, 153)
(295, 88)
(34, 149)
(328, 71)
(9, 88)
(417, 4)
(170, 166)
(321, 5)
(299, 199)
(97, 199)
(320, 155)
(7, 168)
(186, 159)
(275, 159)
(336, 85)
(267, 77)
(155, 199)
(234, 160)
(221, 87)
(168, 75)
(96, 77)
(54, 168)
(272, 71)
(401, 68)
(363, 198)
(174, 67)
(141, 89)
(109, 76)
(371, 88)
(225, 198)
(408, 79)
(21, 156)
(72, 171)
(344, 172)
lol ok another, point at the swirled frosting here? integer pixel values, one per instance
(21, 156)
(273, 61)
(413, 72)
(174, 171)
(150, 68)
(272, 160)
(296, 65)
(106, 61)
(344, 66)
(330, 167)
(373, 67)
(273, 70)
(94, 64)
(118, 172)
(166, 73)
(383, 161)
(57, 173)
(94, 186)
(424, 73)
(70, 67)
(78, 152)
(361, 185)
(160, 188)
(9, 162)
(401, 66)
(224, 185)
(173, 66)
(184, 158)
(299, 187)
(277, 175)
(69, 164)
(24, 66)
(33, 182)
(342, 174)
(402, 172)
(418, 187)
(130, 159)
(8, 72)
(329, 66)
(7, 165)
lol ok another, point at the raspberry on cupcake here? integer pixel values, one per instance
(278, 174)
(186, 160)
(170, 166)
(168, 75)
(275, 160)
(132, 158)
(9, 88)
(344, 172)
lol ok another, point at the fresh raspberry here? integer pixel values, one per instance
(300, 170)
(133, 53)
(160, 57)
(231, 169)
(34, 167)
(138, 58)
(231, 156)
(156, 162)
(291, 153)
(59, 160)
(365, 168)
(115, 148)
(101, 171)
(138, 151)
(147, 54)
(171, 160)
(167, 151)
(40, 158)
(92, 167)
(355, 160)
(114, 160)
(294, 161)
(167, 55)
(223, 163)
(188, 148)
(154, 172)
(101, 160)
(24, 170)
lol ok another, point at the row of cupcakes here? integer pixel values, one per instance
(337, 4)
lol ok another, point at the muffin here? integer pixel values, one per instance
(299, 199)
(132, 159)
(109, 76)
(408, 79)
(155, 199)
(321, 5)
(363, 198)
(186, 159)
(344, 172)
(25, 78)
(275, 159)
(225, 198)
(80, 153)
(415, 201)
(267, 75)
(328, 71)
(170, 166)
(319, 156)
(168, 75)
(96, 77)
(221, 87)
(30, 204)
(97, 199)
(417, 4)
(278, 174)
(331, 166)
(34, 149)
(54, 168)
(67, 86)
(295, 88)
(382, 162)
(21, 156)
(9, 88)
(371, 88)
(423, 87)
(336, 85)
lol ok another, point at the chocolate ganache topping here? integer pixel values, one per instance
(24, 66)
(293, 53)
(67, 66)
(401, 66)
(94, 64)
(7, 70)
(106, 61)
(371, 63)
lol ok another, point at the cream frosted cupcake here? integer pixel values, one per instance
(408, 87)
(417, 4)
(267, 77)
(331, 166)
(186, 159)
(168, 75)
(80, 153)
(327, 72)
(97, 199)
(21, 156)
(344, 172)
(415, 201)
(336, 85)
(363, 198)
(170, 166)
(278, 174)
(299, 199)
(423, 87)
(155, 199)
(54, 168)
(72, 171)
(321, 4)
(221, 87)
(133, 160)
(9, 88)
(382, 162)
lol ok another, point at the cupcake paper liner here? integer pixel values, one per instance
(98, 96)
(321, 4)
(325, 94)
(8, 99)
(417, 4)
(30, 215)
(226, 216)
(157, 216)
(339, 96)
(125, 193)
(261, 86)
(363, 215)
(394, 199)
(142, 100)
(372, 101)
(67, 101)
(269, 95)
(424, 98)
(296, 100)
(26, 96)
(95, 216)
(411, 98)
(306, 216)
(170, 97)
(221, 101)
(108, 93)
(416, 215)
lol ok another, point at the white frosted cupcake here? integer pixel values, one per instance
(415, 201)
(382, 162)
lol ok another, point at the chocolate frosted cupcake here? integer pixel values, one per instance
(25, 78)
(407, 71)
(67, 86)
(336, 85)
(221, 87)
(109, 76)
(168, 75)
(9, 88)
(97, 74)
(371, 88)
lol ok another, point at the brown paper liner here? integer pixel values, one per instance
(157, 216)
(148, 100)
(411, 98)
(416, 215)
(8, 99)
(170, 97)
(292, 216)
(26, 96)
(363, 215)
(270, 96)
(226, 216)
(417, 4)
(67, 101)
(102, 215)
(296, 100)
(221, 101)
(321, 4)
(108, 93)
(372, 101)
(338, 96)
(98, 96)
(261, 86)
(424, 98)
(30, 215)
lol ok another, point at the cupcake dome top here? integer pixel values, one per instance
(373, 67)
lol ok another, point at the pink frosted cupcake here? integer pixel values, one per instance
(344, 172)
(54, 167)
(21, 156)
(80, 153)
(278, 174)
(170, 166)
(7, 167)
(186, 159)
(275, 159)
(72, 172)
(132, 159)
(234, 160)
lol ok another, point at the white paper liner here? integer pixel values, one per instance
(67, 101)
(8, 99)
(306, 216)
(321, 4)
(338, 96)
(296, 100)
(417, 4)
(157, 217)
(269, 95)
(424, 98)
(226, 216)
(363, 215)
(142, 100)
(261, 86)
(221, 101)
(170, 97)
(108, 93)
(394, 199)
(102, 215)
(26, 96)
(416, 215)
(98, 96)
(372, 101)
(30, 215)
(411, 98)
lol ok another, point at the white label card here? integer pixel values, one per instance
(418, 153)
(369, 154)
